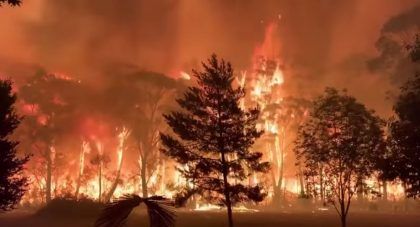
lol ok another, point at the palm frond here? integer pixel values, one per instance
(160, 210)
(115, 214)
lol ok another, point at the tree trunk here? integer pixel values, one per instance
(385, 189)
(49, 177)
(227, 191)
(301, 182)
(343, 214)
(280, 182)
(281, 172)
(77, 188)
(113, 187)
(343, 221)
(100, 182)
(360, 189)
(321, 186)
(230, 217)
(143, 175)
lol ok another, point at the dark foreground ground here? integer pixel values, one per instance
(214, 219)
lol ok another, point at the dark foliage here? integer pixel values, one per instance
(213, 139)
(159, 210)
(12, 183)
(11, 2)
(68, 207)
(404, 142)
(403, 161)
(415, 49)
(338, 147)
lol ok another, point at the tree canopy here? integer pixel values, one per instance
(212, 139)
(403, 161)
(12, 183)
(338, 147)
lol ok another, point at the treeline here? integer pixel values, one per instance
(343, 144)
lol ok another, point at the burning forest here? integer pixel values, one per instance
(253, 113)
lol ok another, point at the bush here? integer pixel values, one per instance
(67, 207)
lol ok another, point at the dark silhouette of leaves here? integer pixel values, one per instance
(159, 210)
(12, 183)
(11, 2)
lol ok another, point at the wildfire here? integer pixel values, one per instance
(211, 207)
(185, 75)
(265, 82)
(122, 137)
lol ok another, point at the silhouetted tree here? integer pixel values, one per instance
(12, 183)
(11, 2)
(414, 49)
(339, 143)
(159, 210)
(213, 139)
(404, 142)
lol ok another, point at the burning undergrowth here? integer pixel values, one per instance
(100, 139)
(68, 207)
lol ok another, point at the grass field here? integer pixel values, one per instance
(214, 219)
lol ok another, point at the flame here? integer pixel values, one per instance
(122, 137)
(184, 75)
(265, 80)
(52, 154)
(85, 150)
(277, 77)
(211, 207)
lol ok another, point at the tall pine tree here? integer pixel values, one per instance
(213, 139)
(12, 183)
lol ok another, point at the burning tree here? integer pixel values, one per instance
(339, 143)
(52, 100)
(142, 114)
(154, 91)
(122, 137)
(281, 114)
(12, 183)
(85, 148)
(213, 139)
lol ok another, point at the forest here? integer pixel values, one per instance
(222, 113)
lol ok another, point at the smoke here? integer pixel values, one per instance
(87, 39)
(393, 59)
(404, 21)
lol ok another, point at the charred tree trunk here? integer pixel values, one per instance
(385, 189)
(227, 191)
(276, 189)
(143, 176)
(343, 209)
(281, 173)
(360, 189)
(343, 220)
(49, 176)
(276, 171)
(76, 196)
(113, 187)
(301, 181)
(321, 186)
(100, 183)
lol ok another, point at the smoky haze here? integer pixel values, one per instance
(323, 42)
